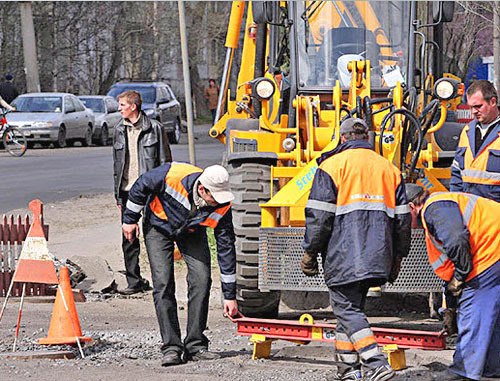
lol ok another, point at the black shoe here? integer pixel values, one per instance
(131, 290)
(145, 285)
(203, 354)
(171, 358)
(381, 373)
(141, 287)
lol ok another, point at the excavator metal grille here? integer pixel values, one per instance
(280, 252)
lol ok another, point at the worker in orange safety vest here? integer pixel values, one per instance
(462, 233)
(476, 167)
(179, 202)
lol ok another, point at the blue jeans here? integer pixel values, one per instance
(196, 254)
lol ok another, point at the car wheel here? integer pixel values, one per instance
(175, 135)
(103, 141)
(87, 140)
(61, 138)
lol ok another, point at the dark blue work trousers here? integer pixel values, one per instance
(196, 255)
(348, 303)
(477, 352)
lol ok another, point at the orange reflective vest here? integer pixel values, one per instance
(359, 192)
(483, 169)
(480, 216)
(175, 188)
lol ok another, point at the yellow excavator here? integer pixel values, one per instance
(293, 72)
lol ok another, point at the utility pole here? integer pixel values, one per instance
(29, 48)
(496, 46)
(187, 81)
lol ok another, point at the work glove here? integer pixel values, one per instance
(309, 264)
(455, 286)
(450, 321)
(396, 267)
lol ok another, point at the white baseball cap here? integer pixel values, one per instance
(216, 179)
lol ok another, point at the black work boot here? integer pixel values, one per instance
(131, 290)
(171, 358)
(202, 354)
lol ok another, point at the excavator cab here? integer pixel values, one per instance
(329, 35)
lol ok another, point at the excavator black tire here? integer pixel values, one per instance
(251, 185)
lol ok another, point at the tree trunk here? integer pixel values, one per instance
(29, 45)
(156, 43)
(496, 47)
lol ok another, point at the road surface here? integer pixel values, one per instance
(59, 174)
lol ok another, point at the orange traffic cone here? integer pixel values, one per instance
(65, 325)
(177, 254)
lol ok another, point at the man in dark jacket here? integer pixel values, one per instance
(140, 144)
(476, 167)
(8, 91)
(358, 218)
(461, 232)
(180, 202)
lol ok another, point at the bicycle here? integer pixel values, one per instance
(14, 140)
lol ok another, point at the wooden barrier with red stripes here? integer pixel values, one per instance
(13, 231)
(464, 114)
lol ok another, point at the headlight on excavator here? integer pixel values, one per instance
(262, 88)
(446, 88)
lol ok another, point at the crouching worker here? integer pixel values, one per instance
(358, 218)
(181, 201)
(461, 232)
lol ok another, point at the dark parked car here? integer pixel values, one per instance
(106, 114)
(158, 102)
(58, 118)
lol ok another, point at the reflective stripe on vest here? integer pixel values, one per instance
(213, 218)
(364, 205)
(477, 176)
(173, 184)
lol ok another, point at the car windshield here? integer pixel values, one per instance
(95, 104)
(38, 104)
(148, 93)
(330, 34)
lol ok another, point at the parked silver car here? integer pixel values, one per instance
(58, 118)
(106, 114)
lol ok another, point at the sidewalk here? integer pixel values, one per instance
(200, 132)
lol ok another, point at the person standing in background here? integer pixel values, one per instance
(212, 96)
(139, 145)
(8, 90)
